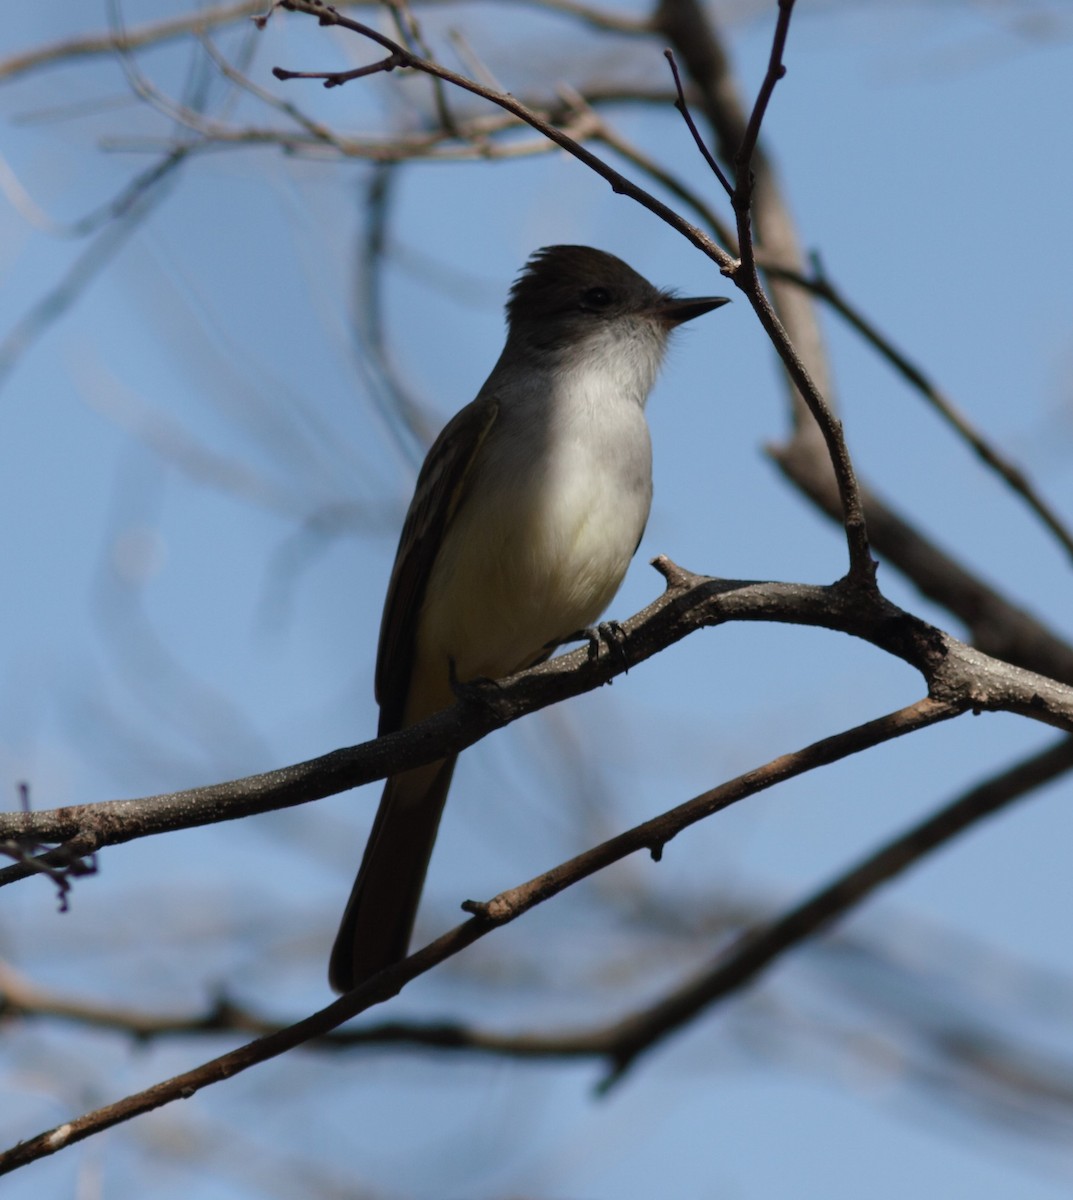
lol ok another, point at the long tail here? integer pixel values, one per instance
(379, 917)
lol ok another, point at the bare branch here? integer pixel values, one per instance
(619, 183)
(959, 678)
(942, 404)
(630, 1038)
(958, 675)
(743, 273)
(743, 159)
(410, 30)
(500, 910)
(154, 33)
(690, 28)
(755, 951)
(862, 567)
(601, 131)
(203, 19)
(687, 116)
(997, 625)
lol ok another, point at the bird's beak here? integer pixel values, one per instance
(677, 310)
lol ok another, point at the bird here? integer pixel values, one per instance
(526, 513)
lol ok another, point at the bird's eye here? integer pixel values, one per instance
(596, 299)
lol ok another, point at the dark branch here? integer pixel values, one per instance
(500, 910)
(754, 952)
(954, 672)
(822, 287)
(691, 125)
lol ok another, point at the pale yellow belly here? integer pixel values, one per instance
(516, 576)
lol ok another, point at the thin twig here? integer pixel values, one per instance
(601, 131)
(776, 70)
(691, 28)
(862, 566)
(619, 183)
(410, 29)
(687, 116)
(316, 129)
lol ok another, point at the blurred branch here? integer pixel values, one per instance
(124, 214)
(754, 951)
(819, 284)
(959, 678)
(317, 132)
(822, 286)
(402, 414)
(676, 18)
(106, 44)
(203, 19)
(486, 916)
(997, 625)
(623, 1041)
(398, 55)
(468, 140)
(112, 210)
(133, 205)
(597, 18)
(409, 30)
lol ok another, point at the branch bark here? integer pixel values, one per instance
(955, 673)
(487, 915)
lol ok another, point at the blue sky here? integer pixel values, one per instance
(171, 444)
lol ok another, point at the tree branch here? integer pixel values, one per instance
(1015, 478)
(954, 672)
(625, 1040)
(500, 910)
(755, 951)
(998, 626)
(743, 272)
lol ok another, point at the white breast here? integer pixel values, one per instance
(552, 520)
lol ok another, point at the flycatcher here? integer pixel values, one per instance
(527, 511)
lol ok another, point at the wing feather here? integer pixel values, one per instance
(441, 487)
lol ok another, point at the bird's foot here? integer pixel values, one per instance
(480, 690)
(610, 633)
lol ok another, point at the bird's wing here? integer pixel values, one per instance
(440, 488)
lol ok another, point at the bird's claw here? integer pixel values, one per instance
(610, 633)
(480, 690)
